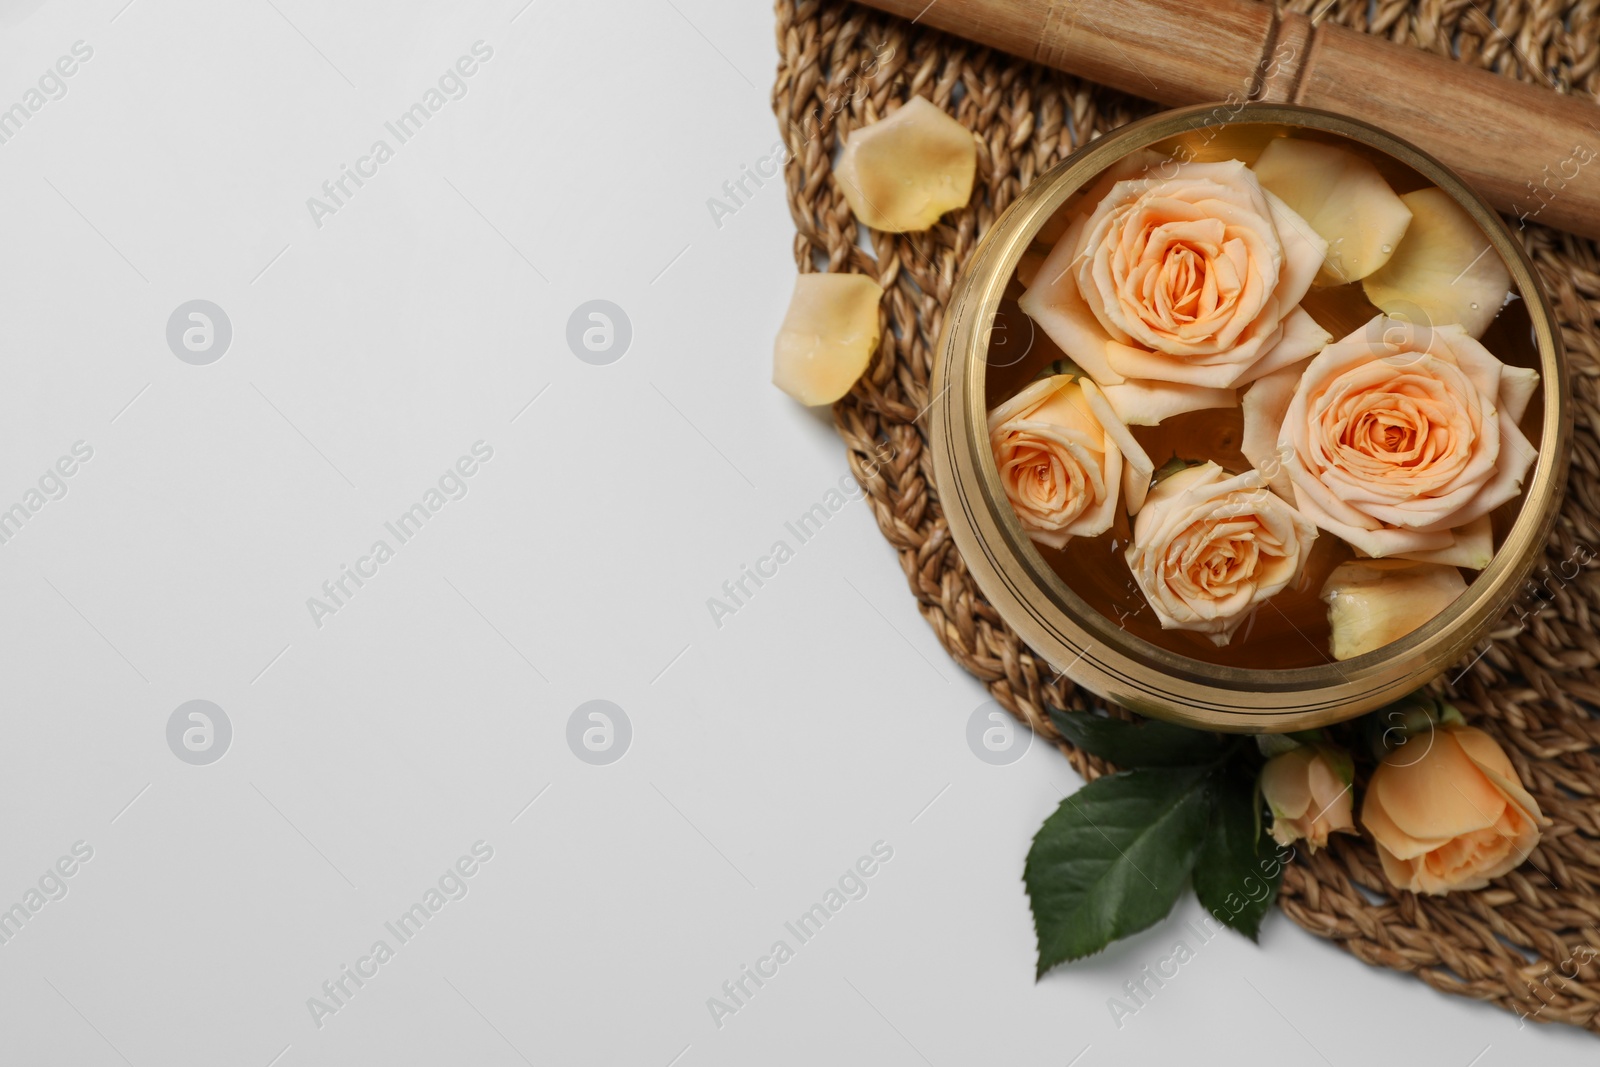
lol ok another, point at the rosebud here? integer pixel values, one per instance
(1308, 790)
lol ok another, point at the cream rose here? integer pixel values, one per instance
(1399, 438)
(1209, 546)
(1453, 817)
(1063, 455)
(1180, 286)
(1309, 794)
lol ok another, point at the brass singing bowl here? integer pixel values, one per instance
(1091, 649)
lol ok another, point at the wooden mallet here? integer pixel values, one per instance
(1530, 151)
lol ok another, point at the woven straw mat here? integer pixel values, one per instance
(842, 66)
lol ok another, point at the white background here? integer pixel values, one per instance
(368, 754)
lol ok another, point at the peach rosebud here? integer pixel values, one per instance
(1308, 790)
(1454, 816)
(1399, 438)
(1063, 456)
(1178, 287)
(1209, 546)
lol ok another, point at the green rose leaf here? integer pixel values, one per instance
(1237, 873)
(1147, 744)
(1114, 858)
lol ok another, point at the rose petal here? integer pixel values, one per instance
(1054, 303)
(1482, 749)
(1189, 274)
(1207, 372)
(1098, 519)
(1301, 337)
(1285, 784)
(1486, 752)
(1137, 468)
(1344, 200)
(1505, 481)
(1148, 403)
(1480, 365)
(1333, 798)
(901, 173)
(1058, 448)
(1397, 440)
(1263, 406)
(1379, 542)
(1034, 393)
(1444, 270)
(1209, 546)
(1391, 838)
(1473, 547)
(1303, 251)
(1372, 603)
(828, 336)
(1517, 385)
(1440, 795)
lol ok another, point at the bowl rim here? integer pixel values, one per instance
(1086, 645)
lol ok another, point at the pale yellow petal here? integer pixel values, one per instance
(1343, 198)
(828, 336)
(1444, 271)
(901, 173)
(1373, 602)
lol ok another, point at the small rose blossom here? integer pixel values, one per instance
(1179, 286)
(1063, 457)
(1309, 795)
(1453, 817)
(1210, 546)
(1400, 439)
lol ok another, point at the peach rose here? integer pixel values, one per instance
(1309, 794)
(1399, 438)
(1452, 818)
(1209, 546)
(1063, 455)
(1180, 286)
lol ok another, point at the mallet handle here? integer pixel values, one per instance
(1532, 152)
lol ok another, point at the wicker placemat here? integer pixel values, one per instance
(1528, 942)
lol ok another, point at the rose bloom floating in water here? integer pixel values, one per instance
(1400, 439)
(1180, 287)
(1064, 458)
(1209, 547)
